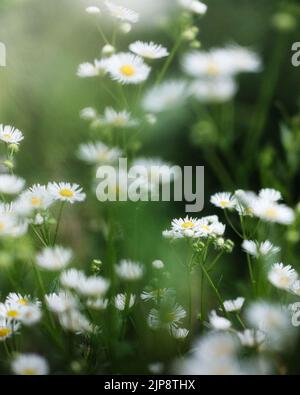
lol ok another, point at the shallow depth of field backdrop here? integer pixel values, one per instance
(251, 141)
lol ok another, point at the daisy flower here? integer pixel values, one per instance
(10, 311)
(93, 286)
(8, 224)
(30, 315)
(273, 212)
(122, 13)
(129, 270)
(75, 321)
(21, 300)
(217, 90)
(245, 60)
(35, 198)
(93, 10)
(98, 153)
(271, 195)
(54, 258)
(29, 365)
(271, 319)
(88, 70)
(257, 249)
(179, 333)
(7, 328)
(127, 68)
(97, 304)
(158, 264)
(195, 6)
(245, 202)
(218, 323)
(118, 119)
(10, 184)
(66, 192)
(282, 276)
(10, 135)
(61, 302)
(166, 96)
(251, 337)
(168, 317)
(71, 278)
(88, 113)
(148, 50)
(120, 301)
(223, 200)
(234, 305)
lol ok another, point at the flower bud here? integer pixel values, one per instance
(125, 28)
(108, 50)
(9, 164)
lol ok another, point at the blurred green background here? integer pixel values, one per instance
(41, 95)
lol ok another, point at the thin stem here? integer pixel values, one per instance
(252, 278)
(231, 224)
(213, 287)
(169, 60)
(58, 221)
(240, 320)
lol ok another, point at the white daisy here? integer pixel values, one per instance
(7, 328)
(35, 198)
(168, 317)
(93, 286)
(10, 135)
(179, 333)
(71, 278)
(251, 337)
(121, 299)
(245, 202)
(282, 276)
(66, 192)
(30, 365)
(218, 323)
(122, 13)
(245, 60)
(22, 300)
(271, 319)
(118, 119)
(295, 288)
(165, 97)
(273, 212)
(93, 10)
(129, 270)
(88, 113)
(54, 258)
(98, 153)
(10, 311)
(10, 184)
(75, 321)
(8, 224)
(61, 302)
(97, 304)
(234, 305)
(88, 70)
(270, 195)
(195, 6)
(127, 68)
(223, 200)
(158, 264)
(30, 314)
(257, 249)
(219, 89)
(148, 50)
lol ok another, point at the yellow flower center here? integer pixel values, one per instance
(224, 203)
(36, 201)
(187, 225)
(4, 332)
(271, 213)
(284, 281)
(127, 70)
(66, 193)
(7, 135)
(29, 372)
(212, 70)
(23, 302)
(12, 314)
(119, 121)
(205, 227)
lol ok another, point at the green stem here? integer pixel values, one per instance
(58, 221)
(169, 60)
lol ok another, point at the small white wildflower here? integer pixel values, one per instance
(121, 299)
(217, 322)
(234, 305)
(54, 258)
(282, 276)
(29, 365)
(148, 50)
(130, 271)
(66, 192)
